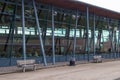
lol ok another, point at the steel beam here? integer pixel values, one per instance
(39, 32)
(111, 38)
(115, 42)
(119, 38)
(112, 44)
(109, 34)
(94, 25)
(68, 35)
(12, 33)
(45, 29)
(23, 31)
(53, 39)
(74, 44)
(87, 32)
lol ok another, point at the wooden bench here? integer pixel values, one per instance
(97, 58)
(26, 64)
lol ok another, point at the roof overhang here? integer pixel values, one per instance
(77, 5)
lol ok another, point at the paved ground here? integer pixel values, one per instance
(12, 69)
(91, 71)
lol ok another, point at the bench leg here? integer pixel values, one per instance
(23, 69)
(34, 68)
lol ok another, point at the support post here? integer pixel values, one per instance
(115, 42)
(112, 44)
(53, 39)
(45, 29)
(112, 55)
(87, 33)
(68, 36)
(74, 45)
(119, 39)
(108, 24)
(12, 33)
(94, 24)
(39, 32)
(23, 31)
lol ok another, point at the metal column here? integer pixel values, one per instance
(68, 36)
(39, 32)
(53, 39)
(112, 44)
(119, 39)
(87, 33)
(74, 45)
(94, 24)
(12, 33)
(23, 31)
(111, 40)
(108, 24)
(115, 42)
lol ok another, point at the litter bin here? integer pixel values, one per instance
(72, 62)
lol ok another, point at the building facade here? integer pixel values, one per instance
(53, 31)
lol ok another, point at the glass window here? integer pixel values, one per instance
(89, 33)
(105, 36)
(3, 31)
(19, 30)
(49, 31)
(40, 31)
(71, 33)
(28, 31)
(77, 33)
(82, 32)
(32, 31)
(59, 32)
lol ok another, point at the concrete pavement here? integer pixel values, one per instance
(90, 71)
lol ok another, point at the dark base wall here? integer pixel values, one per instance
(59, 58)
